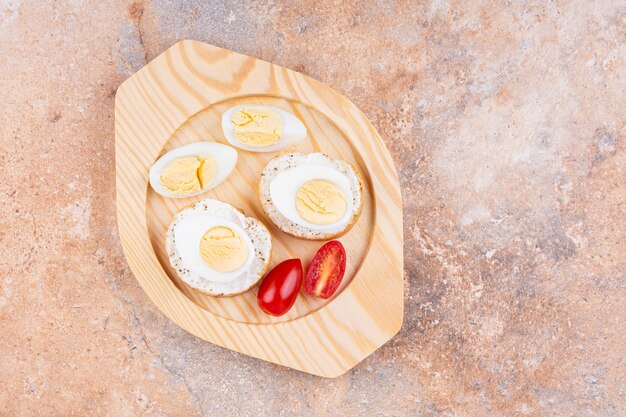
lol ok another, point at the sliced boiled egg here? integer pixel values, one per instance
(311, 196)
(192, 169)
(216, 249)
(260, 128)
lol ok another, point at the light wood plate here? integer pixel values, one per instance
(178, 98)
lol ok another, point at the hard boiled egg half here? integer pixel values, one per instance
(260, 128)
(214, 248)
(311, 196)
(192, 169)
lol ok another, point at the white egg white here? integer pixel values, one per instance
(225, 159)
(293, 132)
(283, 176)
(284, 188)
(183, 248)
(188, 234)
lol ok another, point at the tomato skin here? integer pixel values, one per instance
(280, 288)
(326, 270)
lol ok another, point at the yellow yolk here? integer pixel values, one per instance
(223, 249)
(188, 174)
(257, 126)
(207, 171)
(320, 202)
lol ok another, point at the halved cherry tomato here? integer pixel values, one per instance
(280, 287)
(326, 270)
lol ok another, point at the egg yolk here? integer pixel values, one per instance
(257, 126)
(188, 174)
(223, 249)
(321, 202)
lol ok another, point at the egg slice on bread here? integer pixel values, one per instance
(311, 196)
(216, 249)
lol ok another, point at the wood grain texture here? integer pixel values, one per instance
(178, 98)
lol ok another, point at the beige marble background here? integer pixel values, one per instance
(507, 122)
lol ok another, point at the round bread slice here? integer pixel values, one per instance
(253, 228)
(298, 229)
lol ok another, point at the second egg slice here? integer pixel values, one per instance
(259, 128)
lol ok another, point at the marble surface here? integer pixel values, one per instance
(506, 120)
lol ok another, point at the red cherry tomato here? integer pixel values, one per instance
(326, 270)
(280, 287)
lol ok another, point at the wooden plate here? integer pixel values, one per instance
(178, 98)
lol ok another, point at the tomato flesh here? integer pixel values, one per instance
(326, 270)
(279, 289)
